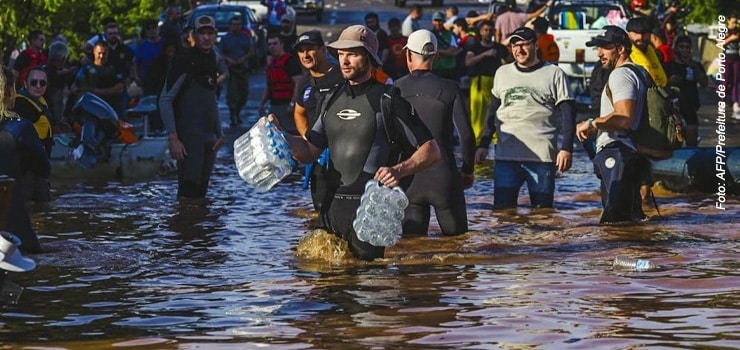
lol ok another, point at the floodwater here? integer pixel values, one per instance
(131, 267)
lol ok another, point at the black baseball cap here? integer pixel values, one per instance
(311, 37)
(638, 25)
(612, 35)
(522, 33)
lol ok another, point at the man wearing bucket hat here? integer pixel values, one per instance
(440, 105)
(617, 163)
(526, 95)
(189, 110)
(352, 126)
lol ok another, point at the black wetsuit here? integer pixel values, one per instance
(313, 91)
(192, 111)
(21, 150)
(439, 104)
(353, 129)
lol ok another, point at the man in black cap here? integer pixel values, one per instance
(322, 76)
(643, 54)
(526, 94)
(618, 165)
(189, 110)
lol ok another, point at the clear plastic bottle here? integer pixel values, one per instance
(262, 155)
(379, 217)
(633, 264)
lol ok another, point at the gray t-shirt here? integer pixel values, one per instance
(508, 22)
(526, 126)
(624, 85)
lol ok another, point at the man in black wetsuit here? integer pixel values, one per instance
(321, 77)
(440, 106)
(190, 113)
(352, 128)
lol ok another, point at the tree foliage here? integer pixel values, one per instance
(77, 20)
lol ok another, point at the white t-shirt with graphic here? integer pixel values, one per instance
(526, 127)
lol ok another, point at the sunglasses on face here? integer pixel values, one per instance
(39, 83)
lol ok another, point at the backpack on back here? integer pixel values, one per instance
(660, 129)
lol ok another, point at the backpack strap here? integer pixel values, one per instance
(326, 99)
(386, 109)
(648, 83)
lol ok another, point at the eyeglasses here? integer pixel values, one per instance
(522, 45)
(112, 33)
(39, 83)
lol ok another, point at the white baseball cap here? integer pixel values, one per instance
(422, 42)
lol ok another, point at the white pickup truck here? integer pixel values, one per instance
(572, 24)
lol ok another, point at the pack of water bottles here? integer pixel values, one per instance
(380, 214)
(263, 156)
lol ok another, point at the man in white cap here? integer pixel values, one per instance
(526, 94)
(440, 105)
(189, 110)
(364, 144)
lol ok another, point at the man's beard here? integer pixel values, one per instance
(610, 64)
(357, 73)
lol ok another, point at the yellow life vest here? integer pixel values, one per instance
(650, 61)
(42, 125)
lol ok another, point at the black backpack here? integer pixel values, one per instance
(660, 130)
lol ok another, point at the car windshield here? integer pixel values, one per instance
(223, 17)
(586, 16)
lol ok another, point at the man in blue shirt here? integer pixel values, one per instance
(236, 47)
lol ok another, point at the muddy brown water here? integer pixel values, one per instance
(130, 267)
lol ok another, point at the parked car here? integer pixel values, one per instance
(572, 24)
(315, 7)
(402, 3)
(223, 15)
(259, 10)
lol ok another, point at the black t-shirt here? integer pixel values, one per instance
(689, 94)
(314, 88)
(121, 57)
(382, 40)
(293, 67)
(488, 65)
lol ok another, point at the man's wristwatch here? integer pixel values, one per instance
(591, 123)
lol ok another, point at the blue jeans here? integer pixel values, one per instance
(509, 177)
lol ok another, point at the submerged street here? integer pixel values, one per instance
(130, 266)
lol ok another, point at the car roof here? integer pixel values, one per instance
(224, 7)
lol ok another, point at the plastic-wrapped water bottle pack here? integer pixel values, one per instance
(380, 214)
(263, 156)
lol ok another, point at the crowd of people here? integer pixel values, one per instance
(391, 106)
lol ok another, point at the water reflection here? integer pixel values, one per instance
(130, 266)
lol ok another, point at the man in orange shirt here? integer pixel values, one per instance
(548, 48)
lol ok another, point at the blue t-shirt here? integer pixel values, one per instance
(146, 54)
